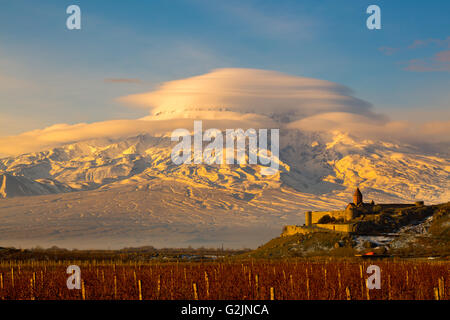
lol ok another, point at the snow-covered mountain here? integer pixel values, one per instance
(127, 191)
(312, 163)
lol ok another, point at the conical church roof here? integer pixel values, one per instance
(357, 197)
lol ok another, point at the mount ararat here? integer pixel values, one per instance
(127, 192)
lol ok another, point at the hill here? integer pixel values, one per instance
(428, 235)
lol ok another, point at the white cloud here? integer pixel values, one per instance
(366, 127)
(59, 134)
(233, 92)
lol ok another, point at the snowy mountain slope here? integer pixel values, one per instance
(14, 186)
(312, 163)
(161, 212)
(336, 162)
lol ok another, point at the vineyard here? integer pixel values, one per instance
(247, 280)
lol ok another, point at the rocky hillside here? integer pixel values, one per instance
(420, 232)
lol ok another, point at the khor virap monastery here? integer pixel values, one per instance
(349, 220)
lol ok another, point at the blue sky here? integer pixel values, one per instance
(49, 74)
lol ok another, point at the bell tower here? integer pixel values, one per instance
(357, 197)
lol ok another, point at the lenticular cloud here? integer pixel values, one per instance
(232, 93)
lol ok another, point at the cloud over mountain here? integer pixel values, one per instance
(366, 127)
(244, 98)
(232, 92)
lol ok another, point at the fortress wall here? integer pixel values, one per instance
(396, 205)
(316, 215)
(338, 227)
(291, 230)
